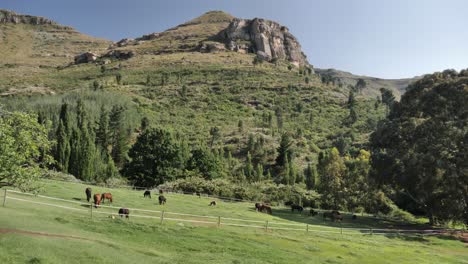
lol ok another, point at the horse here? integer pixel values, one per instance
(312, 212)
(147, 194)
(124, 211)
(88, 192)
(297, 207)
(161, 191)
(266, 208)
(213, 203)
(263, 208)
(333, 215)
(97, 200)
(162, 200)
(107, 196)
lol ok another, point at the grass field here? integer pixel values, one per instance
(145, 240)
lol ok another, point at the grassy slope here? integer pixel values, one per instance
(146, 241)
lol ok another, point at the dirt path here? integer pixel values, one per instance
(32, 233)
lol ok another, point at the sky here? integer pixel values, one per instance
(379, 38)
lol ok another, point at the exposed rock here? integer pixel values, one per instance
(12, 17)
(150, 36)
(124, 42)
(86, 57)
(210, 47)
(268, 39)
(120, 54)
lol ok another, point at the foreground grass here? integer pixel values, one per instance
(108, 240)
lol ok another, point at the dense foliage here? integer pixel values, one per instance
(24, 149)
(421, 149)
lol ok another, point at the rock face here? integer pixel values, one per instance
(211, 47)
(268, 39)
(11, 17)
(86, 57)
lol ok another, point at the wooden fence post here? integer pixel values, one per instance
(162, 217)
(371, 231)
(266, 226)
(219, 221)
(4, 198)
(307, 228)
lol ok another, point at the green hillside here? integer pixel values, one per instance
(74, 237)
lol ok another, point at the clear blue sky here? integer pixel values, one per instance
(389, 39)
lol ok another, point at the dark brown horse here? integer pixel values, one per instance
(213, 203)
(147, 194)
(263, 208)
(124, 211)
(97, 200)
(162, 200)
(297, 207)
(333, 215)
(88, 192)
(107, 196)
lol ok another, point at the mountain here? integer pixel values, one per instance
(246, 79)
(344, 79)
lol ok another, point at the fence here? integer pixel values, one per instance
(218, 221)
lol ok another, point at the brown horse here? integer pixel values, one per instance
(213, 203)
(97, 200)
(263, 208)
(333, 215)
(88, 192)
(107, 196)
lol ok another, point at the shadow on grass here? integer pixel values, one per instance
(362, 221)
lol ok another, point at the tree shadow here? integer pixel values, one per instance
(361, 221)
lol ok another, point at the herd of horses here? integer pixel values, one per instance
(259, 207)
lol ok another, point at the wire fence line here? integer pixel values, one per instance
(222, 221)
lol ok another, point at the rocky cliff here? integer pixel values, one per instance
(268, 39)
(12, 17)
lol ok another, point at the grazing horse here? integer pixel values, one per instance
(312, 212)
(333, 215)
(107, 196)
(147, 194)
(263, 208)
(124, 211)
(213, 203)
(88, 192)
(297, 207)
(162, 200)
(97, 200)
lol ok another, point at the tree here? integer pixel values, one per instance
(331, 170)
(144, 123)
(103, 132)
(306, 80)
(388, 98)
(23, 150)
(215, 135)
(284, 150)
(118, 137)
(310, 174)
(154, 158)
(421, 150)
(249, 169)
(204, 161)
(240, 126)
(62, 149)
(361, 84)
(259, 172)
(351, 99)
(118, 78)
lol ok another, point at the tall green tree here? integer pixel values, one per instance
(332, 171)
(24, 145)
(421, 149)
(154, 158)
